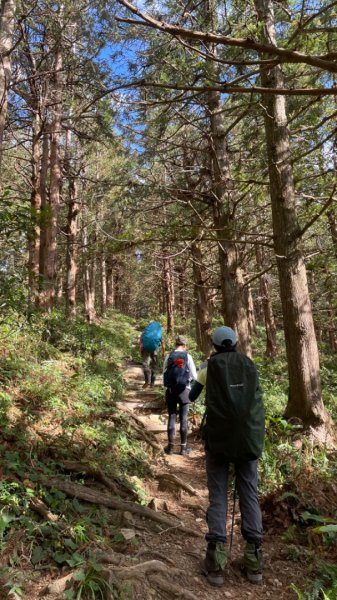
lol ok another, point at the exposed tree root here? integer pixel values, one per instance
(155, 571)
(152, 569)
(89, 495)
(171, 588)
(177, 482)
(96, 473)
(39, 507)
(141, 430)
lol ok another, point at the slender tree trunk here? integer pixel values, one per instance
(305, 399)
(110, 284)
(250, 311)
(49, 264)
(44, 203)
(35, 202)
(103, 283)
(181, 292)
(203, 312)
(71, 229)
(7, 24)
(168, 283)
(268, 313)
(89, 284)
(71, 257)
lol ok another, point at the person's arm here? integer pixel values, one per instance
(198, 385)
(192, 368)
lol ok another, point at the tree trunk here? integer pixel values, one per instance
(250, 311)
(305, 399)
(110, 284)
(44, 204)
(89, 286)
(103, 283)
(47, 293)
(181, 292)
(234, 297)
(169, 294)
(7, 24)
(268, 313)
(203, 313)
(35, 202)
(71, 257)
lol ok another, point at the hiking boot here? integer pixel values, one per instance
(253, 563)
(184, 451)
(145, 385)
(214, 563)
(169, 449)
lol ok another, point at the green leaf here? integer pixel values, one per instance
(38, 554)
(307, 516)
(61, 557)
(325, 529)
(79, 575)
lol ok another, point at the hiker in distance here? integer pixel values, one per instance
(233, 433)
(178, 373)
(150, 341)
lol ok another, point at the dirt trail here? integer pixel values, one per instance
(184, 551)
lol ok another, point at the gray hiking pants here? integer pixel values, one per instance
(246, 484)
(149, 365)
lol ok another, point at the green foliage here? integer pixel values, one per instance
(60, 388)
(89, 583)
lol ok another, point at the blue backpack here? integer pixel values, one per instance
(177, 372)
(152, 336)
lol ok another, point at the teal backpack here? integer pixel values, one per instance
(235, 421)
(152, 336)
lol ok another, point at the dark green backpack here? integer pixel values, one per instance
(234, 409)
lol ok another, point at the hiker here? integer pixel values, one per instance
(233, 432)
(178, 373)
(150, 341)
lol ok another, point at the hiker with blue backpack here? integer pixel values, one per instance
(233, 431)
(150, 341)
(178, 373)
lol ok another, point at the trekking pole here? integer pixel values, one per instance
(233, 516)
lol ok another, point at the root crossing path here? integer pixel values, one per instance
(177, 489)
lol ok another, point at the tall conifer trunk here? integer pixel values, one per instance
(48, 262)
(203, 312)
(234, 297)
(305, 399)
(7, 23)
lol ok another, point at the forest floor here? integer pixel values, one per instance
(154, 550)
(181, 550)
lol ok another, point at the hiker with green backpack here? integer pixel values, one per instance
(150, 341)
(233, 431)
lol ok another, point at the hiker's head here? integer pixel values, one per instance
(224, 338)
(181, 341)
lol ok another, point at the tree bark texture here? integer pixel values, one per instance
(110, 283)
(305, 400)
(89, 283)
(168, 283)
(203, 312)
(234, 297)
(267, 306)
(7, 24)
(48, 266)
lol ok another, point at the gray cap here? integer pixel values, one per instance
(181, 341)
(224, 334)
